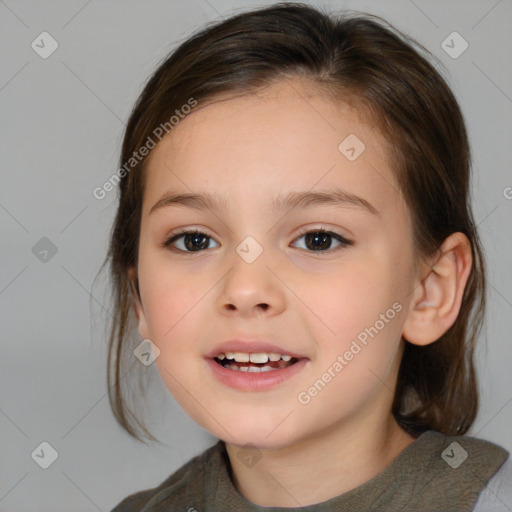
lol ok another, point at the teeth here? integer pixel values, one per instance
(257, 357)
(252, 369)
(240, 357)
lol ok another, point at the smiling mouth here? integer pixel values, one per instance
(269, 366)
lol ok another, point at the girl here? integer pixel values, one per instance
(294, 238)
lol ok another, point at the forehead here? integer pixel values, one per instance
(289, 136)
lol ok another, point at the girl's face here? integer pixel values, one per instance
(258, 273)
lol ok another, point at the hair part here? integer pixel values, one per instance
(358, 59)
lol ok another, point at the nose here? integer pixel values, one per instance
(250, 289)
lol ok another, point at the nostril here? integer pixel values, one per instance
(263, 306)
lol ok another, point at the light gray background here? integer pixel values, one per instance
(62, 120)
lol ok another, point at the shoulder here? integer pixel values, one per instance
(185, 481)
(467, 454)
(463, 451)
(454, 470)
(497, 494)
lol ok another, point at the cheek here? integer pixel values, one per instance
(171, 299)
(355, 313)
(344, 297)
(174, 305)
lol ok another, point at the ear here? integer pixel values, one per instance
(137, 303)
(436, 299)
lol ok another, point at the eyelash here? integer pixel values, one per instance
(344, 242)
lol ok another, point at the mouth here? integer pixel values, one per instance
(257, 371)
(254, 363)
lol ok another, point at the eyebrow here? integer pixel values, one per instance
(291, 200)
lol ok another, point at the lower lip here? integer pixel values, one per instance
(254, 381)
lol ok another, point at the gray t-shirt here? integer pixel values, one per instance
(434, 473)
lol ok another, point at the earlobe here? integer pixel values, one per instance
(142, 326)
(437, 298)
(137, 304)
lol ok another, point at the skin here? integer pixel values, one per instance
(249, 149)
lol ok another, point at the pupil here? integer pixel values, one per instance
(318, 237)
(194, 237)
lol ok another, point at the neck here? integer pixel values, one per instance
(319, 468)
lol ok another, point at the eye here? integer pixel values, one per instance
(317, 240)
(320, 240)
(192, 241)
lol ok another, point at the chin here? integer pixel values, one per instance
(258, 433)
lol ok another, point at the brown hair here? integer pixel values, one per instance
(354, 57)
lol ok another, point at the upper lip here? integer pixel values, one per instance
(251, 347)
